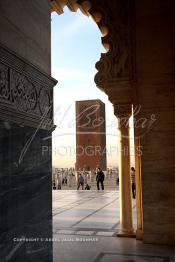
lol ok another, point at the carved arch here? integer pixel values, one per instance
(115, 19)
(87, 8)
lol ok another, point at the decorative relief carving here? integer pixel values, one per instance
(124, 110)
(116, 65)
(4, 83)
(24, 95)
(44, 101)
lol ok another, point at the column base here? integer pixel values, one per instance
(139, 234)
(126, 233)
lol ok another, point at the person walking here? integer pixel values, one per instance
(80, 182)
(100, 179)
(133, 185)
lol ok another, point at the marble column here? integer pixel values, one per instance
(123, 113)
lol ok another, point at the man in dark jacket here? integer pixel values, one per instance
(80, 182)
(100, 178)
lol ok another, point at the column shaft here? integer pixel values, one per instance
(123, 113)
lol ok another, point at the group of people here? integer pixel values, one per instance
(99, 179)
(65, 178)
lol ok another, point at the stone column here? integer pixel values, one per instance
(138, 153)
(123, 113)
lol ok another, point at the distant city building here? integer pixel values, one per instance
(90, 135)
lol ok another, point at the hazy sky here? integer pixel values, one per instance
(76, 47)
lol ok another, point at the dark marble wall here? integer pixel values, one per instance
(26, 95)
(26, 196)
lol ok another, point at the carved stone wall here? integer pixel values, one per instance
(26, 94)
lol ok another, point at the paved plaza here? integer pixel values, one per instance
(86, 212)
(85, 224)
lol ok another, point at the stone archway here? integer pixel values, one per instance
(25, 80)
(116, 77)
